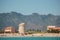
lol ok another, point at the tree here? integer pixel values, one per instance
(38, 30)
(53, 31)
(1, 31)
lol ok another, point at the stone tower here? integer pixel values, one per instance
(21, 28)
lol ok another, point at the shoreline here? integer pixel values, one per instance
(30, 35)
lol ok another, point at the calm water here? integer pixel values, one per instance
(30, 38)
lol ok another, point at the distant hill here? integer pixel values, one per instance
(33, 21)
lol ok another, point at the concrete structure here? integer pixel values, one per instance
(21, 28)
(9, 29)
(49, 27)
(53, 28)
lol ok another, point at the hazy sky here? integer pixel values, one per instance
(31, 6)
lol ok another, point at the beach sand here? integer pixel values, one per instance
(29, 35)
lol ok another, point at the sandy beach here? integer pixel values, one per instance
(48, 34)
(29, 35)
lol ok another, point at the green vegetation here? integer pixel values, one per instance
(1, 31)
(53, 31)
(31, 31)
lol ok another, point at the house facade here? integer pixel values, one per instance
(9, 29)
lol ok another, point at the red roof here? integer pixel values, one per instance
(56, 28)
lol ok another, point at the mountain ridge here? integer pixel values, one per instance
(33, 21)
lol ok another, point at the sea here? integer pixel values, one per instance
(29, 38)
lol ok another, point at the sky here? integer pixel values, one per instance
(27, 7)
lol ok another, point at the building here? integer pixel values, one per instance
(21, 28)
(54, 28)
(50, 27)
(9, 29)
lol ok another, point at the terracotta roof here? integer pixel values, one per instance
(56, 28)
(10, 27)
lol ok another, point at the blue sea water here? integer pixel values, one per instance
(29, 38)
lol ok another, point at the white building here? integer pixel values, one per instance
(48, 27)
(21, 28)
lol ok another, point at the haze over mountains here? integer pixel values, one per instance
(33, 21)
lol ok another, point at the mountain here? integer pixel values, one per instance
(33, 21)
